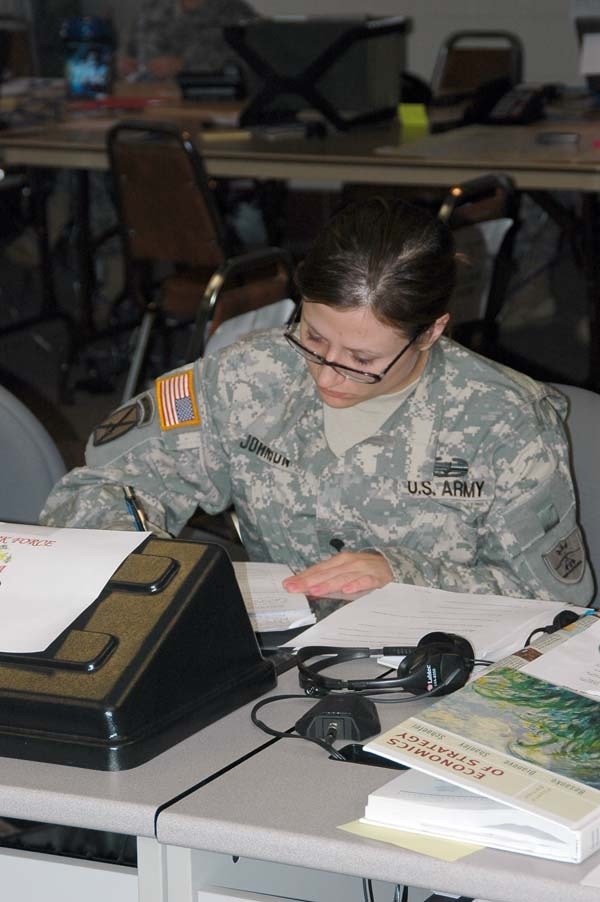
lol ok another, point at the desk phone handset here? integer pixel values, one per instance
(499, 102)
(518, 106)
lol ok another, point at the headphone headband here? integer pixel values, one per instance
(438, 658)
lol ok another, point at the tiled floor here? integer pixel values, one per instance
(544, 320)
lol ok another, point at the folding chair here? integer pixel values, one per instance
(180, 259)
(583, 427)
(31, 462)
(469, 59)
(484, 214)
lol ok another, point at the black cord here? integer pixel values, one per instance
(367, 886)
(540, 629)
(333, 753)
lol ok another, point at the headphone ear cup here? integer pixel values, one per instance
(564, 618)
(412, 669)
(427, 668)
(433, 639)
(451, 641)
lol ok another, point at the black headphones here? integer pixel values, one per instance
(562, 619)
(441, 662)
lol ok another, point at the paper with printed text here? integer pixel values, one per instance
(270, 607)
(48, 576)
(399, 614)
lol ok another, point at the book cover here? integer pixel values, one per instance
(414, 802)
(514, 738)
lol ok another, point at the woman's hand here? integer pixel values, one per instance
(344, 574)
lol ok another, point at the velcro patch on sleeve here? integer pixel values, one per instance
(177, 401)
(116, 424)
(566, 560)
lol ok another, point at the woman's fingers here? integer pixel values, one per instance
(345, 574)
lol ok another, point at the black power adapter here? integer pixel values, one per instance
(340, 717)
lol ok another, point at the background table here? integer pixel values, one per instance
(374, 156)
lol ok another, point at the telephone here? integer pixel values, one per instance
(499, 102)
(518, 106)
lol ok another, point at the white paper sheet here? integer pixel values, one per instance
(271, 608)
(574, 664)
(400, 615)
(48, 576)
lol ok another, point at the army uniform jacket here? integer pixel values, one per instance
(465, 487)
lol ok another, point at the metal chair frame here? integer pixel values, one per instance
(478, 45)
(492, 186)
(210, 246)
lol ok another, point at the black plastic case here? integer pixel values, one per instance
(166, 649)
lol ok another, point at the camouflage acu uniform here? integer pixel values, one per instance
(195, 35)
(466, 486)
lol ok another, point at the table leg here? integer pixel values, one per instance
(152, 870)
(84, 252)
(180, 874)
(40, 224)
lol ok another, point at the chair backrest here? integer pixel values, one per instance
(166, 209)
(277, 314)
(17, 50)
(484, 214)
(583, 427)
(469, 59)
(31, 462)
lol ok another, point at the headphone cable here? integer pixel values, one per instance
(281, 734)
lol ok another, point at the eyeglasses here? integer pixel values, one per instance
(347, 372)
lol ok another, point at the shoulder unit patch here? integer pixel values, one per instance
(122, 420)
(116, 424)
(566, 561)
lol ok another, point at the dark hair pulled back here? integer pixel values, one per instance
(395, 259)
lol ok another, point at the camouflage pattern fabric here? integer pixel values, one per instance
(465, 487)
(162, 29)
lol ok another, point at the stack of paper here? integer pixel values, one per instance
(398, 614)
(417, 803)
(270, 607)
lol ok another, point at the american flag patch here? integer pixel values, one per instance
(176, 401)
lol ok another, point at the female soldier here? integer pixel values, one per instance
(360, 428)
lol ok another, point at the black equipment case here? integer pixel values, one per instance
(166, 649)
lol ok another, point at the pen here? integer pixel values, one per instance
(134, 508)
(337, 545)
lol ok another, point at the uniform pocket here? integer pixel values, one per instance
(416, 516)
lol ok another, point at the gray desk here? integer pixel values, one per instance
(124, 802)
(279, 812)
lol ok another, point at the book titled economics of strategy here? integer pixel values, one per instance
(519, 740)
